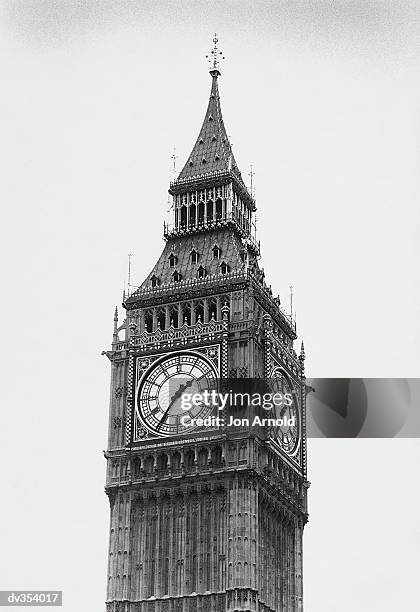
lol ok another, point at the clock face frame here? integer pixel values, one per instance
(161, 386)
(288, 437)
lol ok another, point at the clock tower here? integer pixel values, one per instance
(205, 518)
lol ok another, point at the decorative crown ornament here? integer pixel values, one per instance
(213, 58)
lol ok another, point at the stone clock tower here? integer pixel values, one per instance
(204, 520)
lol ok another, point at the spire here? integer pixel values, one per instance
(115, 334)
(212, 152)
(302, 359)
(302, 351)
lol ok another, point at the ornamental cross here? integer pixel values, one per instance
(213, 58)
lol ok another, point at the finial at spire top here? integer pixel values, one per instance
(213, 58)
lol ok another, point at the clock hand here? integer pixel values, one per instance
(186, 386)
(174, 398)
(181, 390)
(177, 395)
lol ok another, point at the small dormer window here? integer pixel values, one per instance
(194, 256)
(224, 268)
(155, 281)
(201, 272)
(176, 276)
(172, 260)
(216, 252)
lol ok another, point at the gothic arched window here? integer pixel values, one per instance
(161, 318)
(176, 276)
(172, 260)
(162, 462)
(201, 272)
(148, 321)
(224, 268)
(173, 316)
(155, 281)
(189, 459)
(201, 212)
(194, 256)
(212, 307)
(216, 455)
(199, 311)
(137, 467)
(192, 214)
(149, 464)
(219, 209)
(176, 461)
(186, 313)
(209, 211)
(216, 252)
(203, 457)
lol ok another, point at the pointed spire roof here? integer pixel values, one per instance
(212, 151)
(211, 161)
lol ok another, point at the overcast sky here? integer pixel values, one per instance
(323, 99)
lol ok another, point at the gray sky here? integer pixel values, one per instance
(322, 98)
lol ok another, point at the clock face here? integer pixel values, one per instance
(162, 387)
(286, 435)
